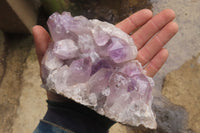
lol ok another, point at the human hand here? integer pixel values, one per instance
(150, 38)
(151, 34)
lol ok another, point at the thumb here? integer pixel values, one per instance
(42, 39)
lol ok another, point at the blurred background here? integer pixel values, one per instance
(22, 100)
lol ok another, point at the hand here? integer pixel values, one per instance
(151, 34)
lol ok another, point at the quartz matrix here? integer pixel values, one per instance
(93, 63)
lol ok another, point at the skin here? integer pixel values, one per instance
(150, 34)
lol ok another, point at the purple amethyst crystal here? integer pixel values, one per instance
(92, 62)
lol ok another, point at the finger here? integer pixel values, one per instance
(156, 63)
(146, 53)
(135, 21)
(41, 38)
(152, 27)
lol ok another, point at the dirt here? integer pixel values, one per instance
(2, 56)
(32, 101)
(182, 87)
(10, 86)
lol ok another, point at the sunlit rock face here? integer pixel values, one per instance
(92, 62)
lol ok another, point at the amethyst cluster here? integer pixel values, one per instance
(92, 62)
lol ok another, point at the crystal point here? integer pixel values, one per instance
(65, 49)
(93, 63)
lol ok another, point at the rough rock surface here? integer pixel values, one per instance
(92, 62)
(12, 64)
(32, 105)
(186, 82)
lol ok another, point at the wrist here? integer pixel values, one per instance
(51, 96)
(75, 117)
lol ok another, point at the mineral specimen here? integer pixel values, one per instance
(92, 62)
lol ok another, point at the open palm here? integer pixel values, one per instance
(154, 33)
(150, 34)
